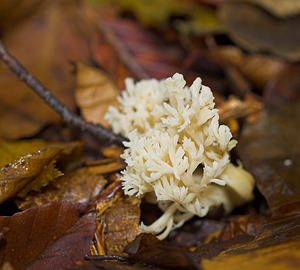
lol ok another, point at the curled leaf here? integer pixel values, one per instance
(32, 170)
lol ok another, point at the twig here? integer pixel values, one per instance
(126, 58)
(70, 118)
(106, 258)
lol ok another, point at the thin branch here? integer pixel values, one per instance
(106, 258)
(70, 118)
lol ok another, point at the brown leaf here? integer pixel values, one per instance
(258, 69)
(283, 256)
(48, 237)
(13, 12)
(121, 223)
(81, 185)
(270, 150)
(284, 87)
(105, 166)
(95, 92)
(128, 50)
(33, 170)
(111, 151)
(148, 249)
(257, 30)
(287, 8)
(98, 264)
(58, 34)
(277, 246)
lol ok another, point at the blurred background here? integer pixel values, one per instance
(245, 48)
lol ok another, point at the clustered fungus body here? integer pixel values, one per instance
(177, 153)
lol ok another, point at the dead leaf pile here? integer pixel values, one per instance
(61, 199)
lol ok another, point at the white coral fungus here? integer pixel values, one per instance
(177, 151)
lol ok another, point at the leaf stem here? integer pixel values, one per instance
(69, 117)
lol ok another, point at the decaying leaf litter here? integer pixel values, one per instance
(60, 187)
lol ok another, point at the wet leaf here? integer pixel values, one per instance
(257, 30)
(11, 150)
(95, 92)
(33, 170)
(58, 34)
(270, 149)
(48, 237)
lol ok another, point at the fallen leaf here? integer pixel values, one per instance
(276, 246)
(121, 225)
(127, 50)
(11, 150)
(257, 30)
(287, 8)
(33, 170)
(189, 16)
(105, 166)
(149, 250)
(48, 236)
(257, 68)
(80, 185)
(95, 92)
(234, 108)
(10, 15)
(284, 87)
(111, 151)
(269, 149)
(98, 264)
(58, 34)
(283, 256)
(104, 201)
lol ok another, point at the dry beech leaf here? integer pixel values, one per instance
(111, 151)
(121, 223)
(104, 201)
(234, 108)
(58, 34)
(105, 166)
(54, 236)
(258, 69)
(95, 92)
(80, 185)
(33, 170)
(257, 30)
